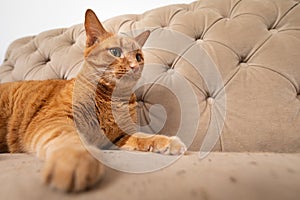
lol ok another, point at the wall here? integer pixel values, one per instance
(22, 18)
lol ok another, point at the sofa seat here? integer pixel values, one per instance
(265, 176)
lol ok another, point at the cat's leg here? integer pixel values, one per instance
(153, 143)
(68, 165)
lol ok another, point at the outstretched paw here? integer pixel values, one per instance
(155, 143)
(170, 145)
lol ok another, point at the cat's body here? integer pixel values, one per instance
(28, 106)
(38, 116)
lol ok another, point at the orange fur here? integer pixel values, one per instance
(38, 116)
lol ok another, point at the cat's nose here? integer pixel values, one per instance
(134, 67)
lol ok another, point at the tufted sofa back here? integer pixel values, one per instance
(222, 74)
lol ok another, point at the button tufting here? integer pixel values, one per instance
(244, 64)
(171, 71)
(72, 42)
(198, 37)
(210, 100)
(200, 41)
(243, 59)
(47, 60)
(164, 26)
(274, 31)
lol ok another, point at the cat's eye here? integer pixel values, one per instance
(138, 57)
(117, 52)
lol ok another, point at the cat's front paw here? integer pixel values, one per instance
(72, 169)
(155, 143)
(168, 145)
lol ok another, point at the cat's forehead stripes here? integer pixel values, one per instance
(126, 44)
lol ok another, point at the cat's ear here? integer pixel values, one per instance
(93, 27)
(141, 38)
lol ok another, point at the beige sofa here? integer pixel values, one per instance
(221, 74)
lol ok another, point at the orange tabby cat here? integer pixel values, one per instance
(38, 116)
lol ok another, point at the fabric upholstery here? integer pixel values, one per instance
(248, 87)
(261, 176)
(213, 67)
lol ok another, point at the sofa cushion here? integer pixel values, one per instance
(223, 75)
(245, 176)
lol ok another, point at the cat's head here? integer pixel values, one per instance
(117, 57)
